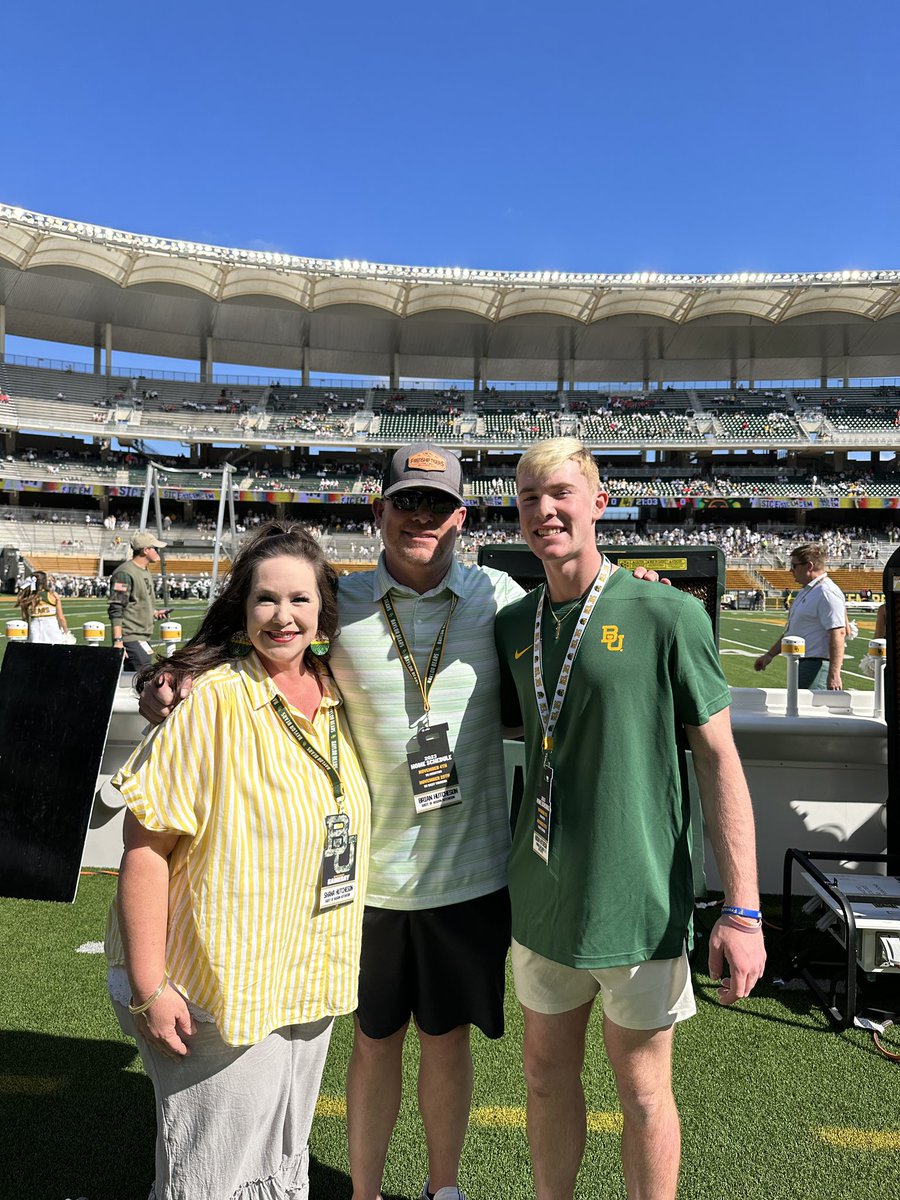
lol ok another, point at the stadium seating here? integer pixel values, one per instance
(737, 579)
(619, 425)
(411, 427)
(747, 423)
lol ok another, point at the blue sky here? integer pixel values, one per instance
(577, 136)
(701, 137)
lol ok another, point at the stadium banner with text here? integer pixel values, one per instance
(50, 485)
(285, 496)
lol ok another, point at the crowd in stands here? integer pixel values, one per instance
(846, 546)
(314, 424)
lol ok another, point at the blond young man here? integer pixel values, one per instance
(608, 677)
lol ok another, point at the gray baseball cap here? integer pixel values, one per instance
(424, 465)
(144, 541)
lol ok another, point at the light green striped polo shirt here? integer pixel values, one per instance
(451, 854)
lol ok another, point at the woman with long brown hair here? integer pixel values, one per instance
(235, 937)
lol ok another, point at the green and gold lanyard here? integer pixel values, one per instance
(337, 874)
(437, 651)
(331, 769)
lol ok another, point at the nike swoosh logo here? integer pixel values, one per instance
(518, 653)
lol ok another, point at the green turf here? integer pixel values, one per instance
(755, 1087)
(742, 638)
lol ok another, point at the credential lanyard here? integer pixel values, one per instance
(332, 768)
(437, 650)
(549, 713)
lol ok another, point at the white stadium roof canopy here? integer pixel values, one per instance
(76, 283)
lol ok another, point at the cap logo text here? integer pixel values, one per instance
(426, 460)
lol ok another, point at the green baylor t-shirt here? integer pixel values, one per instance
(618, 888)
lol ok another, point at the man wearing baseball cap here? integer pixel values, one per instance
(132, 601)
(417, 668)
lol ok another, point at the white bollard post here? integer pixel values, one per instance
(17, 631)
(170, 632)
(793, 649)
(94, 633)
(878, 654)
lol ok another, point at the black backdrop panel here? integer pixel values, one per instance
(891, 585)
(699, 570)
(55, 707)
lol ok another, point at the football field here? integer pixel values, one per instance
(761, 1115)
(775, 1106)
(744, 636)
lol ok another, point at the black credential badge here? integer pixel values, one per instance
(432, 770)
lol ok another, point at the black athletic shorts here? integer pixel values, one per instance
(444, 966)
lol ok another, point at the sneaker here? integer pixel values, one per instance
(444, 1193)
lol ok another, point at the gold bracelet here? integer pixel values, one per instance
(137, 1009)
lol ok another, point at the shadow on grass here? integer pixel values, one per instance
(73, 1120)
(808, 1015)
(325, 1183)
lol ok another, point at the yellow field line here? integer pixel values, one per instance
(861, 1139)
(493, 1116)
(29, 1085)
(604, 1122)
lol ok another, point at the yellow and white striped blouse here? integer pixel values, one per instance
(246, 940)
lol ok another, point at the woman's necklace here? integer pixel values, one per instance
(557, 621)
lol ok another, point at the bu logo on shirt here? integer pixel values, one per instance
(611, 638)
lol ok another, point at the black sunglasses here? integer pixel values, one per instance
(438, 502)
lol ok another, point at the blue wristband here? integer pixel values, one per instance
(733, 911)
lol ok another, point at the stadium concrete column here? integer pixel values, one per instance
(304, 365)
(395, 371)
(107, 348)
(2, 332)
(206, 363)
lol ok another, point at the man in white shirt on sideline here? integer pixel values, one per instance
(818, 614)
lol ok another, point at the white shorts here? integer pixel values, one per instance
(651, 995)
